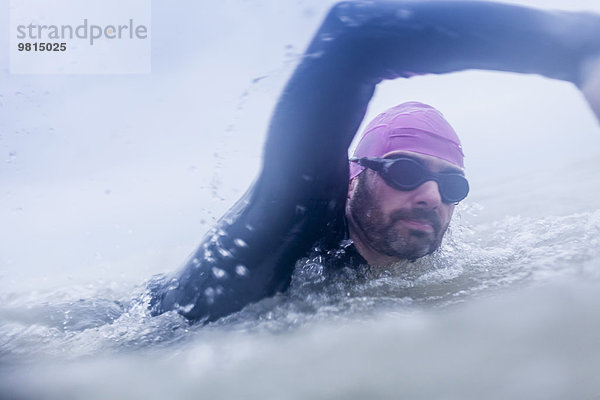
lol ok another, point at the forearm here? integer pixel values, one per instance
(248, 256)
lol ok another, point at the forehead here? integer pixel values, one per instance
(432, 163)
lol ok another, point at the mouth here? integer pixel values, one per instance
(422, 225)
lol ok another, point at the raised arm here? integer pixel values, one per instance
(302, 187)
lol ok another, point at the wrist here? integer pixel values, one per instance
(590, 83)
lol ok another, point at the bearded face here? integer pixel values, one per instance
(395, 224)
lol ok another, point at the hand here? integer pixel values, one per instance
(590, 85)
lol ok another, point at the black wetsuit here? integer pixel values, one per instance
(299, 196)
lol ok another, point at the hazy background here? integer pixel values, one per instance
(110, 178)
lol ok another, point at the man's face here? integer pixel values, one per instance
(397, 224)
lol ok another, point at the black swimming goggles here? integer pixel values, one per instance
(408, 174)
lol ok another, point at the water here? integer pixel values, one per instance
(506, 309)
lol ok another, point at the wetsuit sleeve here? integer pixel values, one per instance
(303, 184)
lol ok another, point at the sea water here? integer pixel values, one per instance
(507, 308)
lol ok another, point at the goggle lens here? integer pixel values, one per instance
(453, 188)
(405, 173)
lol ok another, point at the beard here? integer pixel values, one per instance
(386, 234)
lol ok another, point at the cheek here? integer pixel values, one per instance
(446, 213)
(389, 199)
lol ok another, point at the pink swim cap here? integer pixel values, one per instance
(410, 126)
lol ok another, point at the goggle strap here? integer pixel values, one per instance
(375, 164)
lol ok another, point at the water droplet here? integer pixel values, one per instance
(404, 14)
(317, 54)
(258, 79)
(300, 209)
(12, 156)
(184, 309)
(348, 21)
(240, 243)
(241, 270)
(225, 253)
(219, 273)
(344, 244)
(209, 293)
(173, 284)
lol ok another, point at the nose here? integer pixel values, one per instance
(427, 195)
